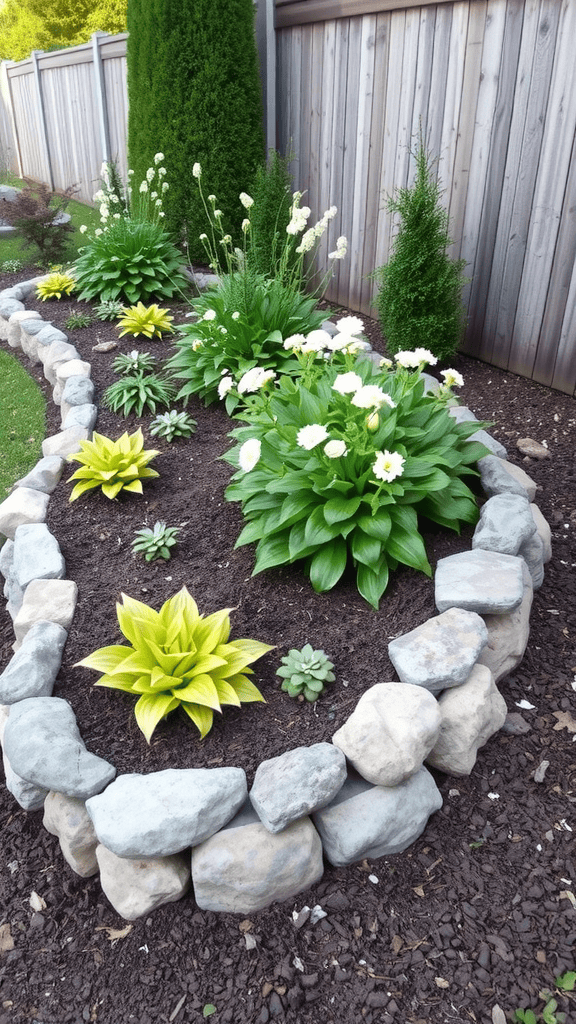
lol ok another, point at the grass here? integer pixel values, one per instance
(14, 248)
(22, 422)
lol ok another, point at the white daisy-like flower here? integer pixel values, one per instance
(425, 356)
(254, 379)
(370, 396)
(196, 170)
(236, 315)
(196, 344)
(316, 341)
(308, 437)
(249, 454)
(153, 195)
(350, 325)
(161, 214)
(210, 314)
(385, 364)
(388, 466)
(224, 386)
(347, 383)
(83, 229)
(308, 239)
(117, 216)
(335, 449)
(245, 225)
(355, 346)
(246, 200)
(338, 342)
(98, 232)
(294, 342)
(217, 214)
(411, 360)
(452, 378)
(161, 172)
(158, 158)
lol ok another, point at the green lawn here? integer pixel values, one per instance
(22, 422)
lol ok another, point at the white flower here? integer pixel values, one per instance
(305, 212)
(425, 356)
(153, 195)
(246, 200)
(210, 314)
(308, 239)
(355, 346)
(294, 342)
(350, 325)
(114, 198)
(130, 172)
(335, 449)
(385, 364)
(196, 344)
(412, 360)
(217, 214)
(158, 158)
(99, 197)
(452, 378)
(143, 186)
(254, 379)
(338, 342)
(161, 214)
(165, 186)
(161, 172)
(196, 170)
(236, 315)
(341, 249)
(249, 454)
(347, 383)
(316, 341)
(224, 386)
(212, 199)
(83, 229)
(308, 437)
(104, 211)
(388, 466)
(372, 397)
(117, 216)
(158, 202)
(203, 236)
(98, 232)
(150, 174)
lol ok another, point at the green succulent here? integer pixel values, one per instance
(112, 465)
(155, 543)
(77, 320)
(173, 424)
(305, 672)
(110, 309)
(138, 393)
(133, 362)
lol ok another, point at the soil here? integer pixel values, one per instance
(478, 914)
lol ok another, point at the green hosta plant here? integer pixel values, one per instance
(134, 362)
(157, 542)
(137, 393)
(54, 286)
(305, 672)
(173, 424)
(337, 472)
(112, 465)
(148, 320)
(178, 658)
(77, 320)
(111, 309)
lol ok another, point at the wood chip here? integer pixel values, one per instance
(6, 940)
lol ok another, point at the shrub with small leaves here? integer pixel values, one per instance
(134, 362)
(77, 320)
(109, 310)
(112, 465)
(139, 392)
(305, 672)
(155, 543)
(55, 286)
(173, 424)
(11, 266)
(148, 320)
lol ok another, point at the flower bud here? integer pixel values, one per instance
(373, 421)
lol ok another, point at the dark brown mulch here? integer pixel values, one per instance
(478, 912)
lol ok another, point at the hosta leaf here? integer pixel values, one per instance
(151, 709)
(297, 544)
(372, 584)
(106, 659)
(378, 525)
(272, 551)
(226, 693)
(247, 692)
(328, 564)
(135, 487)
(338, 509)
(136, 618)
(364, 548)
(409, 549)
(177, 609)
(200, 690)
(81, 488)
(212, 631)
(201, 716)
(318, 531)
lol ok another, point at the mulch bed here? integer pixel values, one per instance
(478, 913)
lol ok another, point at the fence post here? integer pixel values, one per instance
(42, 116)
(100, 95)
(266, 42)
(6, 90)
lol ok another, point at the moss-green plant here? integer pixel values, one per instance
(55, 285)
(420, 295)
(22, 422)
(173, 424)
(109, 310)
(305, 672)
(178, 658)
(114, 466)
(156, 542)
(11, 266)
(142, 391)
(148, 320)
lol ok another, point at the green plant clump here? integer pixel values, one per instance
(173, 424)
(138, 392)
(55, 285)
(134, 362)
(270, 213)
(111, 309)
(114, 466)
(420, 296)
(11, 266)
(178, 658)
(148, 320)
(157, 542)
(305, 672)
(77, 320)
(39, 215)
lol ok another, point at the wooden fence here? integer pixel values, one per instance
(491, 84)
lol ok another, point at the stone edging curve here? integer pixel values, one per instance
(139, 873)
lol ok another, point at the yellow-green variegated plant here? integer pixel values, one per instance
(178, 658)
(148, 320)
(55, 286)
(112, 465)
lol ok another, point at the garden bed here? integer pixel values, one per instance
(279, 607)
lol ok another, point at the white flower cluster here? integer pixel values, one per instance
(417, 358)
(321, 342)
(340, 250)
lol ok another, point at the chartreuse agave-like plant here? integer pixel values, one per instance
(178, 658)
(148, 320)
(55, 285)
(112, 465)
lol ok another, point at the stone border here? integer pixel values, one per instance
(356, 814)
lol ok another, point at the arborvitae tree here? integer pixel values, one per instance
(194, 95)
(420, 296)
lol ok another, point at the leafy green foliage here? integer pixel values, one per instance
(271, 191)
(109, 310)
(134, 362)
(148, 320)
(178, 657)
(55, 285)
(338, 471)
(566, 982)
(11, 266)
(27, 25)
(139, 392)
(157, 542)
(419, 301)
(173, 424)
(112, 465)
(131, 260)
(38, 214)
(77, 320)
(305, 672)
(22, 422)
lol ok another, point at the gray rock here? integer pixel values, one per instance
(367, 821)
(470, 716)
(31, 672)
(29, 331)
(45, 474)
(23, 505)
(544, 532)
(81, 416)
(71, 368)
(65, 443)
(37, 554)
(46, 598)
(532, 448)
(245, 868)
(77, 391)
(44, 746)
(27, 287)
(391, 730)
(441, 652)
(499, 477)
(505, 523)
(163, 813)
(508, 634)
(30, 797)
(136, 887)
(479, 581)
(8, 306)
(431, 385)
(462, 414)
(532, 551)
(67, 818)
(6, 558)
(48, 338)
(295, 783)
(14, 332)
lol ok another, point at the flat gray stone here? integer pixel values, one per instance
(297, 782)
(65, 443)
(470, 716)
(23, 505)
(50, 336)
(544, 532)
(29, 331)
(391, 730)
(45, 474)
(67, 818)
(505, 523)
(532, 551)
(532, 448)
(37, 555)
(164, 812)
(77, 391)
(367, 821)
(54, 599)
(498, 477)
(44, 746)
(462, 414)
(441, 652)
(30, 797)
(31, 672)
(245, 867)
(8, 306)
(71, 368)
(508, 634)
(136, 887)
(479, 581)
(81, 416)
